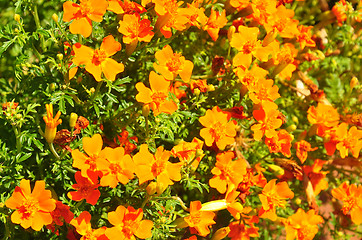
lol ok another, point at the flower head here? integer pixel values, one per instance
(128, 223)
(83, 226)
(98, 61)
(199, 220)
(51, 123)
(218, 128)
(33, 208)
(86, 188)
(83, 14)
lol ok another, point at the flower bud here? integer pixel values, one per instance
(55, 17)
(60, 56)
(151, 188)
(291, 128)
(52, 87)
(146, 110)
(270, 37)
(197, 91)
(221, 233)
(215, 205)
(73, 120)
(298, 201)
(17, 17)
(354, 82)
(231, 31)
(210, 88)
(92, 90)
(16, 30)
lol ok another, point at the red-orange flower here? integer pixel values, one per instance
(189, 151)
(199, 220)
(128, 223)
(156, 97)
(339, 10)
(218, 128)
(304, 36)
(83, 14)
(351, 195)
(83, 226)
(171, 64)
(303, 147)
(98, 61)
(272, 196)
(33, 208)
(227, 173)
(263, 9)
(268, 120)
(125, 7)
(316, 176)
(281, 142)
(302, 225)
(86, 188)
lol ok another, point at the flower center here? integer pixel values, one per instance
(249, 46)
(85, 7)
(29, 207)
(174, 64)
(158, 167)
(99, 56)
(158, 97)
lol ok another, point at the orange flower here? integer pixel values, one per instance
(263, 90)
(218, 128)
(268, 120)
(216, 21)
(118, 167)
(281, 21)
(272, 196)
(51, 123)
(263, 9)
(240, 4)
(302, 225)
(347, 139)
(339, 10)
(316, 176)
(125, 7)
(61, 214)
(189, 151)
(248, 77)
(83, 226)
(134, 30)
(247, 43)
(324, 116)
(171, 64)
(98, 61)
(195, 14)
(304, 37)
(33, 208)
(86, 188)
(199, 220)
(239, 231)
(149, 167)
(127, 223)
(157, 95)
(281, 142)
(83, 14)
(303, 147)
(351, 195)
(87, 163)
(227, 173)
(284, 61)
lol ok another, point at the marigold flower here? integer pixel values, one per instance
(171, 64)
(118, 167)
(240, 4)
(339, 10)
(281, 21)
(345, 139)
(302, 225)
(304, 37)
(324, 116)
(83, 14)
(272, 196)
(156, 97)
(199, 220)
(263, 9)
(83, 226)
(218, 128)
(268, 120)
(88, 163)
(189, 151)
(61, 214)
(316, 176)
(227, 173)
(351, 195)
(125, 7)
(33, 208)
(98, 61)
(248, 77)
(195, 14)
(281, 142)
(51, 123)
(303, 147)
(240, 231)
(149, 167)
(263, 90)
(86, 188)
(134, 30)
(216, 21)
(128, 223)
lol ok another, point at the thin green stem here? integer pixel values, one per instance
(18, 143)
(177, 199)
(52, 149)
(38, 26)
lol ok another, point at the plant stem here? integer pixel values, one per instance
(38, 26)
(18, 143)
(51, 146)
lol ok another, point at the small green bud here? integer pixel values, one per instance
(52, 87)
(73, 120)
(60, 56)
(146, 110)
(55, 17)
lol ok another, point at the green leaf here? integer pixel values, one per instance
(6, 45)
(24, 157)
